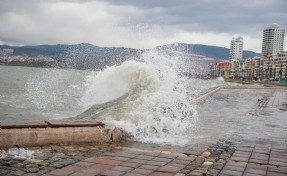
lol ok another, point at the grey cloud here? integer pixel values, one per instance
(44, 21)
(213, 16)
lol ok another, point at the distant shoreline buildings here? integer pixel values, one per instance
(270, 65)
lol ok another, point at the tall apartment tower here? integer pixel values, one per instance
(236, 48)
(273, 39)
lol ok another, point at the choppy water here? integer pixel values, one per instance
(150, 98)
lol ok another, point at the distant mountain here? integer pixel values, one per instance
(79, 56)
(85, 56)
(215, 52)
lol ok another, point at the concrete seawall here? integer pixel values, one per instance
(205, 96)
(25, 134)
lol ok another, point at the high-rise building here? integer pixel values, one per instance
(273, 39)
(236, 48)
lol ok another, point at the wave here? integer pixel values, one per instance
(147, 98)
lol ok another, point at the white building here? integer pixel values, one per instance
(273, 39)
(235, 55)
(236, 48)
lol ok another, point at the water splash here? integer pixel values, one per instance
(158, 108)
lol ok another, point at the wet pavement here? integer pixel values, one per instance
(240, 132)
(250, 115)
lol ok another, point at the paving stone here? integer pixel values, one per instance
(249, 174)
(276, 163)
(192, 152)
(127, 155)
(218, 166)
(185, 158)
(171, 169)
(179, 174)
(196, 174)
(122, 168)
(275, 174)
(256, 166)
(150, 167)
(138, 161)
(91, 171)
(65, 171)
(283, 160)
(103, 160)
(133, 174)
(162, 174)
(156, 163)
(84, 164)
(185, 162)
(241, 159)
(112, 173)
(234, 168)
(142, 171)
(258, 161)
(145, 157)
(151, 154)
(130, 164)
(255, 171)
(120, 158)
(279, 169)
(167, 156)
(230, 172)
(162, 159)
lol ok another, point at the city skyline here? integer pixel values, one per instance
(138, 24)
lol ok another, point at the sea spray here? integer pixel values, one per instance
(157, 109)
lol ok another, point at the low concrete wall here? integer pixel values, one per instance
(203, 97)
(253, 87)
(24, 137)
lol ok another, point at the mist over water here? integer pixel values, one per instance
(151, 97)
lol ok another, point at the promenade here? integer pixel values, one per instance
(240, 132)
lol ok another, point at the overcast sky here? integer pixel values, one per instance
(139, 23)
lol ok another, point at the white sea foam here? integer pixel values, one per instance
(20, 153)
(159, 108)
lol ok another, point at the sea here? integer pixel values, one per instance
(152, 98)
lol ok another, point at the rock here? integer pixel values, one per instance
(56, 165)
(207, 164)
(4, 171)
(32, 170)
(16, 173)
(205, 154)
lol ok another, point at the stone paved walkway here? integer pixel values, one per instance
(223, 158)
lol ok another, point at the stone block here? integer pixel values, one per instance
(122, 168)
(11, 125)
(112, 173)
(142, 171)
(74, 123)
(255, 171)
(149, 167)
(156, 163)
(169, 169)
(230, 172)
(145, 157)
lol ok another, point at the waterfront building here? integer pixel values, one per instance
(236, 48)
(280, 65)
(235, 55)
(273, 39)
